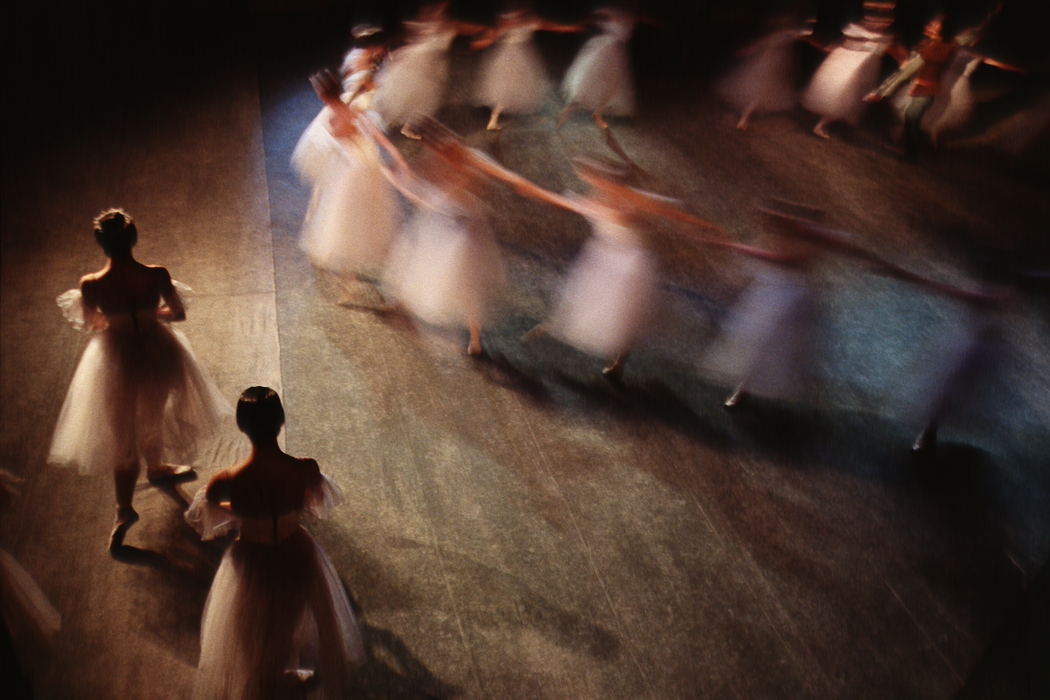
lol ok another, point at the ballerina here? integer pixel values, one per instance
(765, 81)
(513, 79)
(350, 229)
(414, 78)
(610, 290)
(139, 394)
(599, 78)
(851, 70)
(277, 619)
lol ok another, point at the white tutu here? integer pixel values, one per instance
(315, 150)
(138, 390)
(446, 268)
(765, 342)
(837, 89)
(356, 214)
(609, 293)
(512, 74)
(414, 79)
(953, 106)
(765, 81)
(274, 611)
(600, 76)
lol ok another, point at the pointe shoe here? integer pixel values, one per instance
(821, 131)
(735, 398)
(171, 472)
(602, 124)
(535, 334)
(474, 349)
(926, 442)
(125, 519)
(613, 371)
(407, 132)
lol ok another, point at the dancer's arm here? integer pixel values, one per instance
(523, 186)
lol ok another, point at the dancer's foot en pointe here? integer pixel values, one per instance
(615, 370)
(742, 124)
(927, 441)
(408, 132)
(494, 119)
(738, 395)
(171, 472)
(821, 129)
(535, 334)
(474, 346)
(126, 517)
(597, 116)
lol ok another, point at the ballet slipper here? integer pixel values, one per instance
(126, 517)
(735, 398)
(926, 442)
(613, 371)
(599, 121)
(535, 334)
(494, 120)
(821, 130)
(474, 348)
(408, 132)
(166, 472)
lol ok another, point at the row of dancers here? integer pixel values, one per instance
(930, 91)
(444, 267)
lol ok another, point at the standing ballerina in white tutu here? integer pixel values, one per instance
(765, 80)
(277, 621)
(139, 394)
(600, 78)
(851, 70)
(414, 79)
(513, 78)
(610, 291)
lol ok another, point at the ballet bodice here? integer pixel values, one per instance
(618, 26)
(521, 34)
(616, 232)
(857, 38)
(269, 530)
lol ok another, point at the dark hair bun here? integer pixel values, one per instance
(260, 414)
(115, 231)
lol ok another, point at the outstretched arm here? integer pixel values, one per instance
(521, 185)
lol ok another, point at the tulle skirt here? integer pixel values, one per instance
(837, 89)
(355, 218)
(136, 396)
(766, 342)
(276, 614)
(446, 270)
(412, 81)
(601, 75)
(765, 82)
(315, 150)
(513, 76)
(608, 298)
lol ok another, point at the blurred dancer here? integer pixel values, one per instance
(765, 80)
(599, 79)
(30, 621)
(139, 394)
(513, 79)
(414, 79)
(350, 229)
(851, 70)
(609, 294)
(446, 268)
(317, 148)
(277, 621)
(926, 71)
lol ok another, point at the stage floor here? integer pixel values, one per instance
(517, 525)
